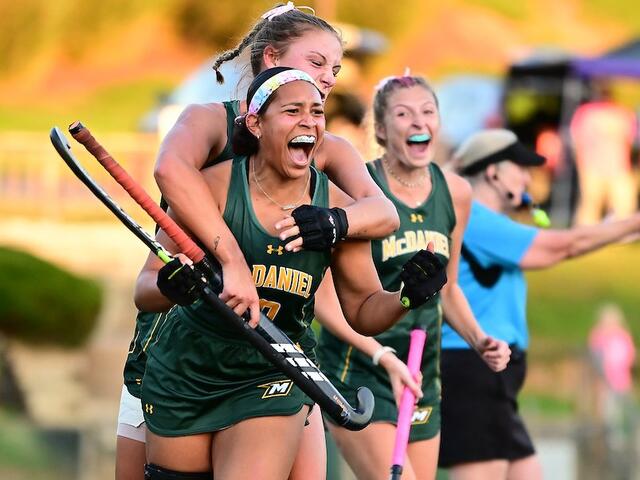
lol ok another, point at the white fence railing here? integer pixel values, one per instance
(34, 181)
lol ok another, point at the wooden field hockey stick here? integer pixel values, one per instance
(407, 403)
(276, 347)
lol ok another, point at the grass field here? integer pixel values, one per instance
(563, 301)
(27, 454)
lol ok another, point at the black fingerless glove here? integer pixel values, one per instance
(423, 276)
(211, 269)
(320, 228)
(179, 282)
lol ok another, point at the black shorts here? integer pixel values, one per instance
(480, 419)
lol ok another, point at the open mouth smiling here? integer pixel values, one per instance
(301, 147)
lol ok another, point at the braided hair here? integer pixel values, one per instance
(278, 31)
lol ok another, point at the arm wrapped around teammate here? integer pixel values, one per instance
(320, 228)
(179, 282)
(423, 276)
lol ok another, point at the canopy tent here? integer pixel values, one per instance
(545, 90)
(623, 61)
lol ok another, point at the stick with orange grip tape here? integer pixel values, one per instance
(276, 347)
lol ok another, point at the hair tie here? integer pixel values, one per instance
(381, 84)
(274, 12)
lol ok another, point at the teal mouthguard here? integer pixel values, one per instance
(418, 138)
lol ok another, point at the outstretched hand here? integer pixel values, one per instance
(495, 353)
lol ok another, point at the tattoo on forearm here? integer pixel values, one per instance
(215, 243)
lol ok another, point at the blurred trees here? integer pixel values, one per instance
(32, 27)
(43, 304)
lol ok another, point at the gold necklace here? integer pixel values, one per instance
(419, 183)
(289, 206)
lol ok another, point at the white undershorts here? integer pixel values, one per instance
(130, 417)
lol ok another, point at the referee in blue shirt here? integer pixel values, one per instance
(483, 435)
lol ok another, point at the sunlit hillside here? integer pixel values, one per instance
(108, 61)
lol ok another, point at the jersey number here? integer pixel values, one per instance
(269, 308)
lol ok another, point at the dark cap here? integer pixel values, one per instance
(492, 146)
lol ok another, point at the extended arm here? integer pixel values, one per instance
(329, 314)
(552, 246)
(199, 131)
(456, 308)
(372, 215)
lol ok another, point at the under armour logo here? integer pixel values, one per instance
(416, 217)
(278, 250)
(148, 408)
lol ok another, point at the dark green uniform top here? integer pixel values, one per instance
(432, 221)
(202, 375)
(286, 282)
(147, 323)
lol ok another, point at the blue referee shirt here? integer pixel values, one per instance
(494, 239)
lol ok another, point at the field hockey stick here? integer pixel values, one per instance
(407, 403)
(267, 338)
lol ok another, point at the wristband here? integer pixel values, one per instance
(375, 358)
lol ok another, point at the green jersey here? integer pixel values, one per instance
(148, 323)
(286, 282)
(201, 374)
(348, 368)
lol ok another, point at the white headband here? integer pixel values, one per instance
(265, 90)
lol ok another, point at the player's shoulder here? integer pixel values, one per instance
(202, 112)
(334, 148)
(459, 187)
(200, 128)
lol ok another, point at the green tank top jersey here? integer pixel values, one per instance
(286, 282)
(201, 375)
(347, 367)
(232, 109)
(147, 323)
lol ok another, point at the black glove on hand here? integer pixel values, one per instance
(423, 276)
(179, 282)
(320, 228)
(210, 268)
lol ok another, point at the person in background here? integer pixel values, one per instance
(603, 133)
(483, 435)
(612, 346)
(433, 207)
